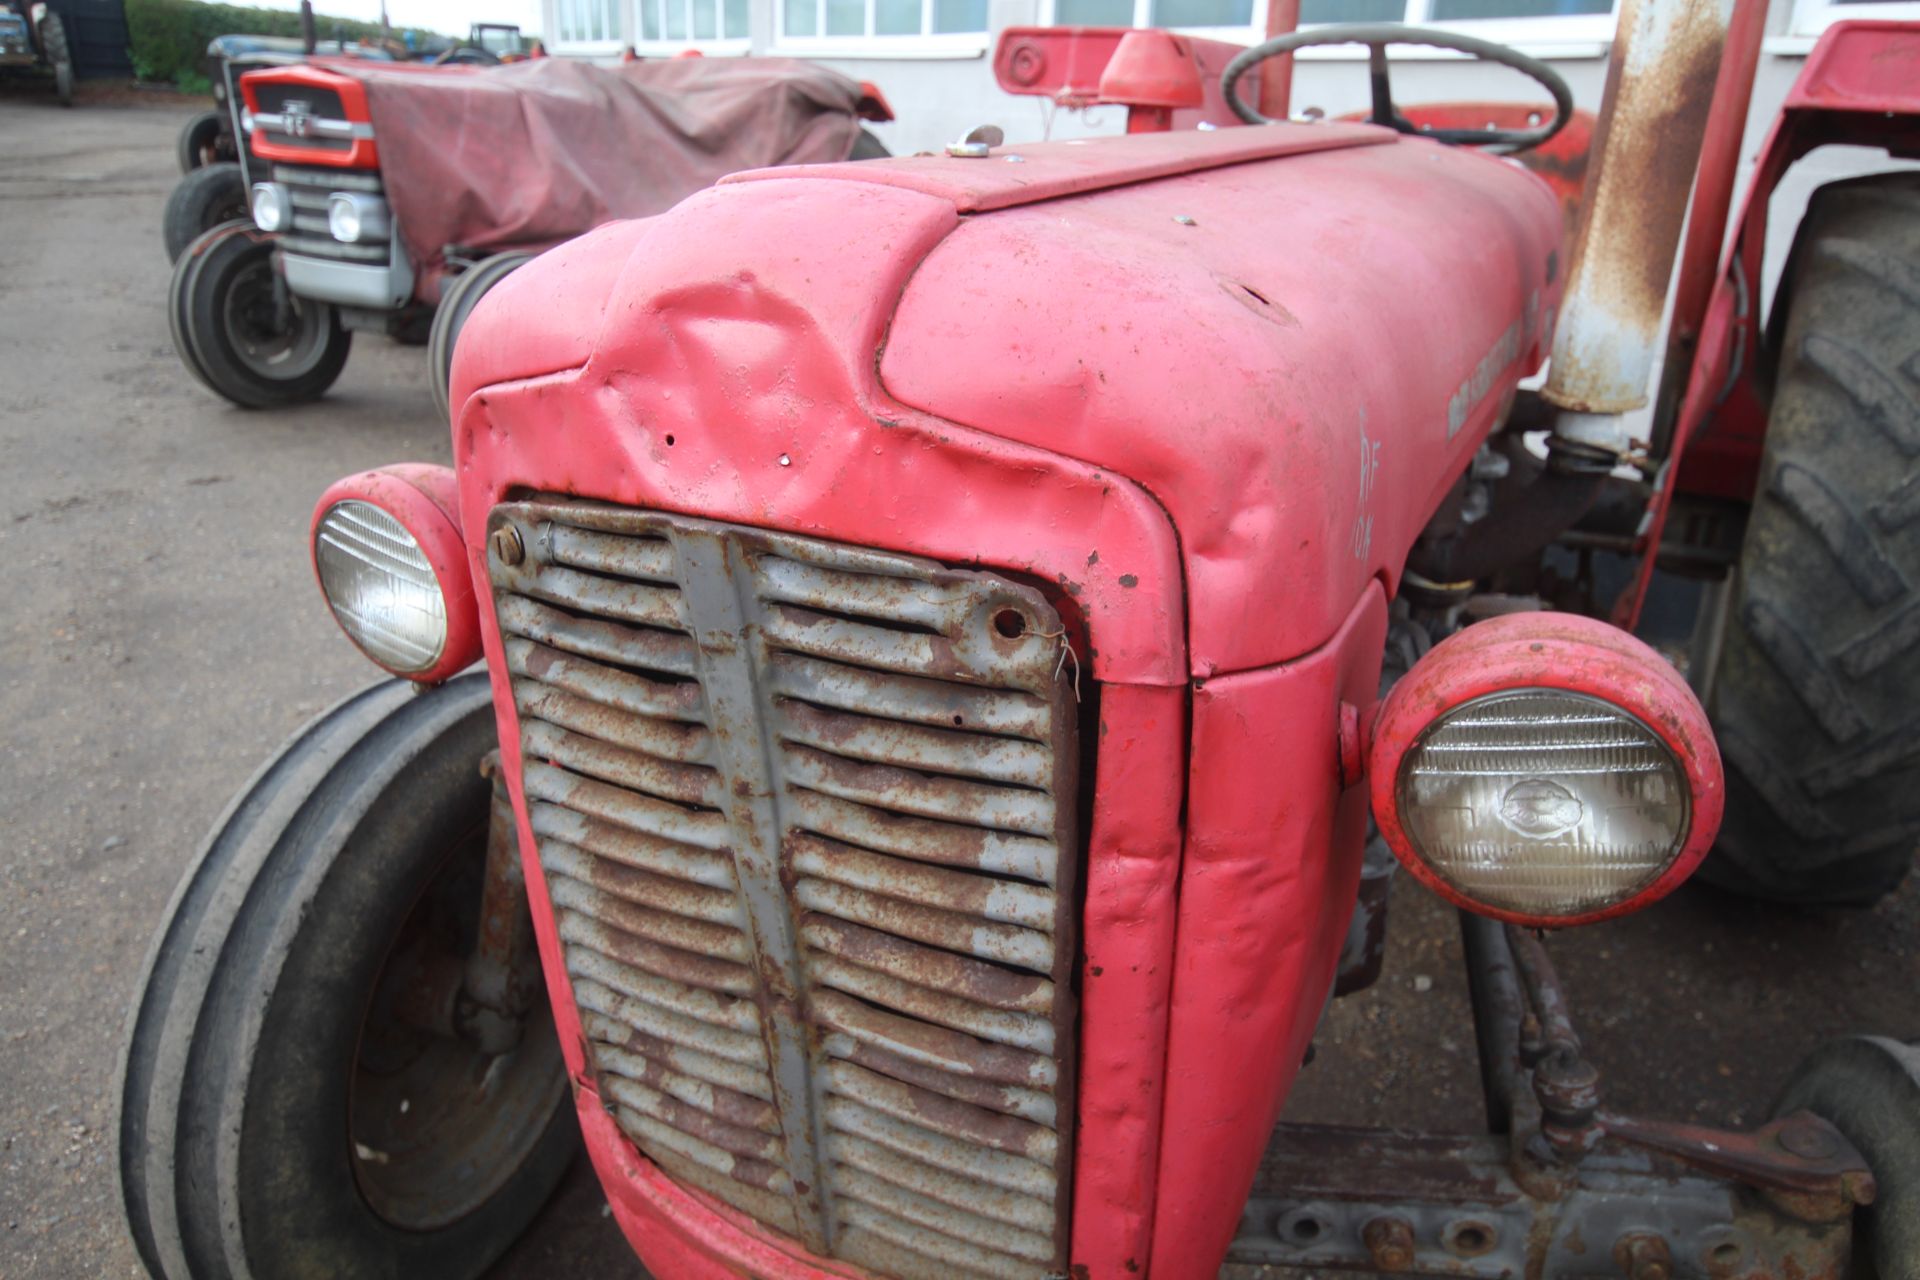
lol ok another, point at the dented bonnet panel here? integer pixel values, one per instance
(1289, 348)
(1291, 355)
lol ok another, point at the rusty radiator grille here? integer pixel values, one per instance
(806, 814)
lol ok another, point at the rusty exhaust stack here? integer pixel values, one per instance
(1666, 56)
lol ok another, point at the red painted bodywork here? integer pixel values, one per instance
(1561, 162)
(873, 104)
(1267, 887)
(426, 502)
(1550, 651)
(1267, 369)
(360, 153)
(1860, 86)
(1069, 65)
(1175, 381)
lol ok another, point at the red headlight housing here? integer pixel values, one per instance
(392, 565)
(1547, 770)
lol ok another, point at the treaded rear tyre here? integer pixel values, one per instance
(53, 40)
(200, 142)
(1817, 697)
(202, 200)
(236, 1147)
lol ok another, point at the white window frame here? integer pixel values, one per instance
(556, 23)
(1811, 17)
(724, 44)
(926, 43)
(1550, 36)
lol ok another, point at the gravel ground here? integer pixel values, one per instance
(159, 635)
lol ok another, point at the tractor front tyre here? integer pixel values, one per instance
(203, 199)
(203, 142)
(1868, 1088)
(1816, 701)
(456, 304)
(59, 56)
(291, 1103)
(243, 333)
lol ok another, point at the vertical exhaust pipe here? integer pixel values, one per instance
(1660, 80)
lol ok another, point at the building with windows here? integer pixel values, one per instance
(930, 57)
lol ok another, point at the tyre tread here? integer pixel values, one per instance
(1814, 706)
(175, 976)
(237, 914)
(195, 202)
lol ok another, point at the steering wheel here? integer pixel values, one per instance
(468, 55)
(1377, 36)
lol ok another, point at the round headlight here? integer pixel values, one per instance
(381, 586)
(1545, 769)
(343, 218)
(1543, 802)
(272, 206)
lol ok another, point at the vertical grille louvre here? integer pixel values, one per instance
(805, 815)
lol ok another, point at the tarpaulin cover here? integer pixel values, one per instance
(533, 153)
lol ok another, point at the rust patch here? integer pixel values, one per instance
(953, 1051)
(1648, 141)
(940, 970)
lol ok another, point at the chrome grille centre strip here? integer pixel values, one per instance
(806, 813)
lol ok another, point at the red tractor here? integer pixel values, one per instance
(935, 616)
(390, 197)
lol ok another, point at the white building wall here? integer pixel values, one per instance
(937, 95)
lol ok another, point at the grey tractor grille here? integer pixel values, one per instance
(309, 237)
(807, 815)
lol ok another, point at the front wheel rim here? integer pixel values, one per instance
(436, 1128)
(276, 351)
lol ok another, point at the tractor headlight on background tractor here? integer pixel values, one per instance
(1546, 769)
(353, 217)
(388, 553)
(272, 206)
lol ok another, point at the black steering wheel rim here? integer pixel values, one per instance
(1377, 36)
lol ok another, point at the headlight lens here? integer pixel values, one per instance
(272, 206)
(380, 586)
(1543, 802)
(352, 217)
(343, 219)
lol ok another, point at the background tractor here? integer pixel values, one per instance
(33, 39)
(390, 198)
(952, 639)
(213, 182)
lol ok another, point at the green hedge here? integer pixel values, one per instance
(169, 37)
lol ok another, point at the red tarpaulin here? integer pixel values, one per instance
(532, 153)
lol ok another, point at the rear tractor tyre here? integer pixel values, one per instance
(203, 142)
(1816, 701)
(456, 304)
(203, 199)
(249, 339)
(283, 1113)
(59, 55)
(1868, 1088)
